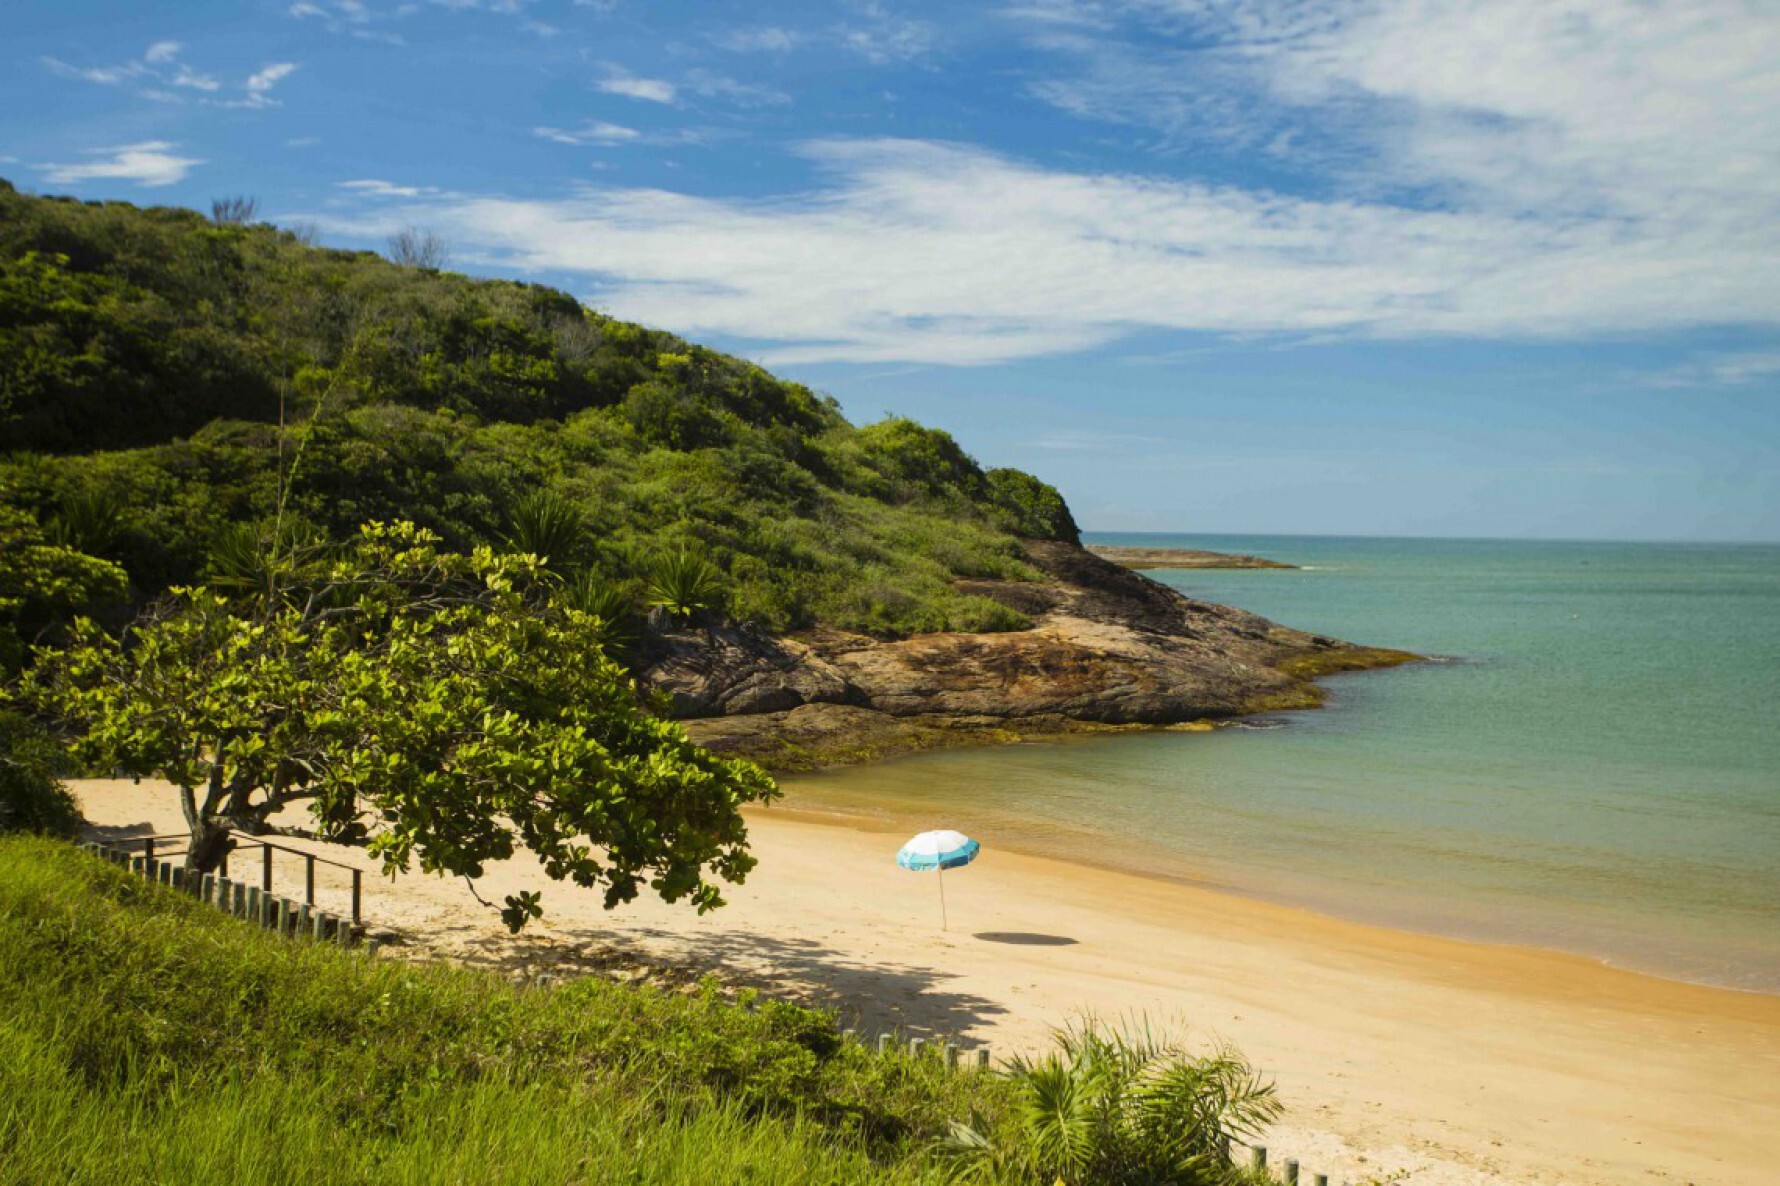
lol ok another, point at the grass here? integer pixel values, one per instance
(147, 1038)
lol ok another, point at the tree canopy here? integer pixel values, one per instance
(443, 709)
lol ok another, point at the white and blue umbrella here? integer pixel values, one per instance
(939, 851)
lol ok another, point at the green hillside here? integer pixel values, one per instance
(171, 388)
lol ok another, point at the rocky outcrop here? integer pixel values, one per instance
(1142, 558)
(1108, 648)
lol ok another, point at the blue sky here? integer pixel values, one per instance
(1433, 267)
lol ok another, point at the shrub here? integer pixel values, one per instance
(1121, 1106)
(32, 797)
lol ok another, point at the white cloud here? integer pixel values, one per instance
(267, 77)
(160, 75)
(881, 37)
(766, 39)
(1737, 369)
(1482, 168)
(103, 75)
(651, 90)
(373, 187)
(592, 132)
(150, 163)
(185, 76)
(928, 252)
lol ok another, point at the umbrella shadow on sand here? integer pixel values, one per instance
(1025, 939)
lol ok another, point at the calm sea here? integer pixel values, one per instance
(1591, 764)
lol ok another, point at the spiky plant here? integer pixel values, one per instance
(615, 605)
(1119, 1106)
(88, 521)
(544, 523)
(684, 584)
(260, 558)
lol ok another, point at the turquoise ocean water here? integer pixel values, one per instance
(1592, 764)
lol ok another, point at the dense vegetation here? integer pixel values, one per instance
(172, 386)
(146, 1038)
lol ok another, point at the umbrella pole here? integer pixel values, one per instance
(944, 922)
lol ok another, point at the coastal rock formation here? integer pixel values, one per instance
(1108, 647)
(1132, 557)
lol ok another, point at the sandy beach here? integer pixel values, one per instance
(1459, 1062)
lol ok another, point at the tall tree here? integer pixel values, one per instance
(441, 709)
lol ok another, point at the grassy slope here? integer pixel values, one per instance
(144, 1037)
(147, 358)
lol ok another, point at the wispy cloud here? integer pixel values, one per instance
(882, 36)
(650, 90)
(377, 188)
(927, 252)
(764, 39)
(160, 75)
(592, 132)
(150, 163)
(260, 83)
(1737, 369)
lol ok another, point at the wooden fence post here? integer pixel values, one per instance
(885, 1041)
(320, 925)
(951, 1056)
(266, 868)
(207, 888)
(309, 879)
(1291, 1171)
(343, 932)
(1322, 1180)
(915, 1045)
(139, 865)
(1259, 1156)
(283, 913)
(256, 910)
(357, 880)
(303, 913)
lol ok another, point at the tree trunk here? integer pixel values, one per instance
(211, 842)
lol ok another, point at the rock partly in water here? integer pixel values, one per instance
(1141, 558)
(1108, 648)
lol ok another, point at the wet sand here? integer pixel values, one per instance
(1461, 1062)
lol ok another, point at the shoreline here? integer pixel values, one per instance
(863, 811)
(1462, 1061)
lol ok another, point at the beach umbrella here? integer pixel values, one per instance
(939, 851)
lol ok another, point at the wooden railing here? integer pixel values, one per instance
(153, 852)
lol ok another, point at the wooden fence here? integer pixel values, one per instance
(241, 899)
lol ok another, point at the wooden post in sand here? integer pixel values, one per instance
(207, 888)
(915, 1045)
(1322, 1180)
(885, 1041)
(1291, 1171)
(982, 1058)
(1259, 1157)
(951, 1056)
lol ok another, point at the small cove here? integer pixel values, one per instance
(1592, 766)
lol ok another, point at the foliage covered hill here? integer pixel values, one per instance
(168, 383)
